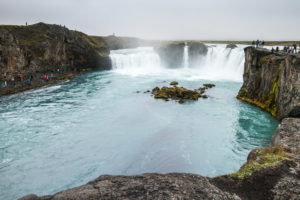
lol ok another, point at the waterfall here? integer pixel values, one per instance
(224, 63)
(186, 56)
(220, 63)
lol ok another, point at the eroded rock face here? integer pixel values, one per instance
(43, 48)
(231, 46)
(145, 186)
(287, 135)
(272, 82)
(197, 52)
(171, 54)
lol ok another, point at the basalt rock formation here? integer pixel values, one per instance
(271, 173)
(272, 82)
(197, 51)
(231, 46)
(171, 53)
(42, 49)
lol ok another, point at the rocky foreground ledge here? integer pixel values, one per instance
(272, 173)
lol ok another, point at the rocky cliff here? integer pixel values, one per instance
(171, 53)
(30, 51)
(197, 51)
(272, 82)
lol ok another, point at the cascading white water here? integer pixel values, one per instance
(186, 56)
(220, 63)
(136, 61)
(224, 63)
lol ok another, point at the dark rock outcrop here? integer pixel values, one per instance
(287, 135)
(171, 54)
(272, 82)
(42, 48)
(174, 83)
(145, 186)
(231, 46)
(180, 93)
(197, 51)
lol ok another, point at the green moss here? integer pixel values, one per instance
(263, 158)
(267, 101)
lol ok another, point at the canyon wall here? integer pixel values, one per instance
(172, 53)
(272, 82)
(42, 48)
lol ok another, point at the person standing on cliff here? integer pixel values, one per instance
(295, 48)
(257, 42)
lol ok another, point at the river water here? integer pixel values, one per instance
(62, 136)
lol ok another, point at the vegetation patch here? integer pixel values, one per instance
(262, 158)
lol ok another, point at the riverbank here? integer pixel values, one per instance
(37, 82)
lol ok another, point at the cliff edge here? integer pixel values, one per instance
(29, 52)
(272, 82)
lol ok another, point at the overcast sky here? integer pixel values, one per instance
(164, 19)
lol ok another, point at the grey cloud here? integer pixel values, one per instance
(164, 19)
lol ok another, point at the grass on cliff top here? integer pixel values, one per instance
(262, 158)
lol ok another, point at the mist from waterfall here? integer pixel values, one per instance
(186, 56)
(220, 63)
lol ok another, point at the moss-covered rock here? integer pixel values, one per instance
(209, 85)
(262, 158)
(174, 83)
(178, 93)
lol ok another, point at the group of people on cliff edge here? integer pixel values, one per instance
(258, 43)
(291, 49)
